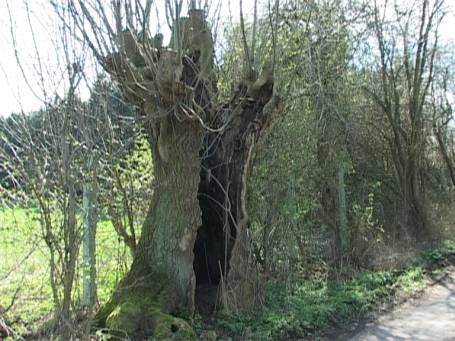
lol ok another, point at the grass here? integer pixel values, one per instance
(289, 311)
(24, 264)
(312, 305)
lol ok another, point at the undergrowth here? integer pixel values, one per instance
(312, 305)
(290, 311)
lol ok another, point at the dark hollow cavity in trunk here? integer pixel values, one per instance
(216, 235)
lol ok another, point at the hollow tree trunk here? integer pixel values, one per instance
(194, 248)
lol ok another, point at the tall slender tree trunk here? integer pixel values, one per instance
(89, 244)
(412, 192)
(70, 256)
(445, 155)
(342, 208)
(329, 199)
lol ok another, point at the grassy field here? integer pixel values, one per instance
(24, 267)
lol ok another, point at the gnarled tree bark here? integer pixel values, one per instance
(194, 251)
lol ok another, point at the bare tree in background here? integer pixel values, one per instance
(442, 116)
(194, 240)
(43, 161)
(407, 46)
(43, 158)
(55, 155)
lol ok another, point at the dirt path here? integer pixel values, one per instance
(431, 317)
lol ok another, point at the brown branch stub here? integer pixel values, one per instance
(154, 77)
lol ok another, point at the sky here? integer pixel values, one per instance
(18, 93)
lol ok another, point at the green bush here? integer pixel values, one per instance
(314, 304)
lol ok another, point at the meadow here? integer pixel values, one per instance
(25, 292)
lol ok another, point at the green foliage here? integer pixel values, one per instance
(412, 280)
(311, 305)
(135, 172)
(129, 188)
(298, 162)
(441, 253)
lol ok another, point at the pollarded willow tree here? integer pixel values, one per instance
(194, 250)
